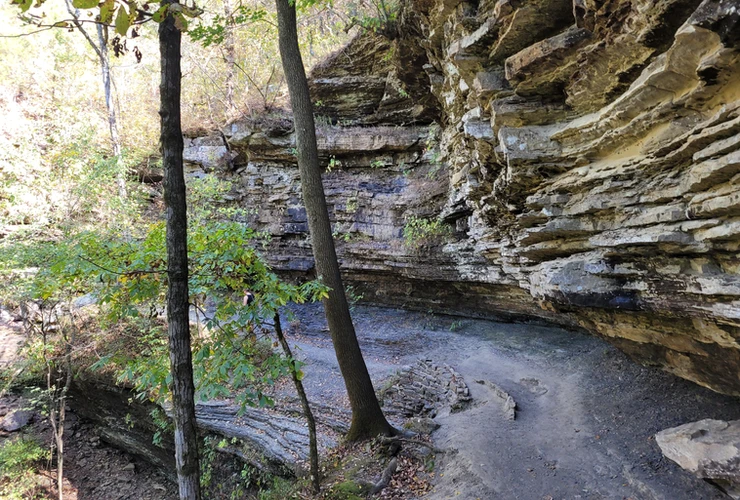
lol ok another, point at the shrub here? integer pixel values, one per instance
(419, 231)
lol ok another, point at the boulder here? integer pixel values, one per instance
(16, 420)
(708, 448)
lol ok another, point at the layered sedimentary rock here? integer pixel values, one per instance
(583, 158)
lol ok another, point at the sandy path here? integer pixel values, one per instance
(586, 414)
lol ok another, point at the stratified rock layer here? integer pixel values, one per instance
(586, 169)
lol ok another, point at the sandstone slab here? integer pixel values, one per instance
(708, 448)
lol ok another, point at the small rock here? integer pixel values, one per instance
(5, 316)
(422, 425)
(16, 420)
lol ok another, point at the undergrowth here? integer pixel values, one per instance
(19, 459)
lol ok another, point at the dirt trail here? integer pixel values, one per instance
(585, 419)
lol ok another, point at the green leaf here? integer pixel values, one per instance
(122, 21)
(84, 4)
(107, 8)
(23, 4)
(161, 14)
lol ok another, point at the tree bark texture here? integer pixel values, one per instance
(181, 365)
(367, 418)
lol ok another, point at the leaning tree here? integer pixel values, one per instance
(367, 417)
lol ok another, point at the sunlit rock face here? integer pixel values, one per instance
(584, 157)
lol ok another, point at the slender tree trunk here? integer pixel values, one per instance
(181, 364)
(367, 418)
(101, 50)
(312, 444)
(230, 57)
(111, 107)
(59, 428)
(57, 393)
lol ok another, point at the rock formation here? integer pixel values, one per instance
(582, 156)
(708, 448)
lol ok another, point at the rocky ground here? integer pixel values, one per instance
(586, 415)
(584, 426)
(92, 469)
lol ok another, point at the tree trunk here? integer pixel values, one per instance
(367, 418)
(312, 442)
(111, 107)
(101, 50)
(68, 343)
(181, 365)
(229, 57)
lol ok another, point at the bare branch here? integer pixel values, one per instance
(76, 15)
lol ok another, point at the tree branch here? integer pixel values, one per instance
(76, 15)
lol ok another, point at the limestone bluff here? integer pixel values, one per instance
(585, 156)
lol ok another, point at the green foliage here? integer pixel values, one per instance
(128, 277)
(61, 90)
(126, 13)
(381, 17)
(347, 490)
(19, 454)
(132, 282)
(457, 325)
(431, 150)
(74, 186)
(214, 31)
(434, 170)
(352, 204)
(162, 423)
(333, 163)
(418, 231)
(353, 296)
(339, 232)
(18, 459)
(281, 489)
(208, 199)
(207, 456)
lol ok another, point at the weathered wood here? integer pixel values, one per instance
(270, 441)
